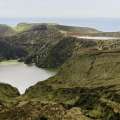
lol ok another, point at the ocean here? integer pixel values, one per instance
(103, 24)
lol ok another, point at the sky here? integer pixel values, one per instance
(59, 8)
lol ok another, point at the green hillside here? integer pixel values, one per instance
(23, 27)
(87, 85)
(41, 41)
(89, 81)
(6, 30)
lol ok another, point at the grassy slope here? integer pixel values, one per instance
(6, 30)
(90, 81)
(7, 91)
(8, 95)
(87, 81)
(23, 27)
(76, 30)
(87, 84)
(26, 26)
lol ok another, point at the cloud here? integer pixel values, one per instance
(59, 8)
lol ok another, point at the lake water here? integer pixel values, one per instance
(22, 76)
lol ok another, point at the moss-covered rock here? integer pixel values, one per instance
(8, 95)
(8, 91)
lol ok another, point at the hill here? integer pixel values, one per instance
(26, 26)
(72, 30)
(10, 51)
(40, 42)
(6, 30)
(50, 45)
(23, 27)
(87, 85)
(89, 81)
